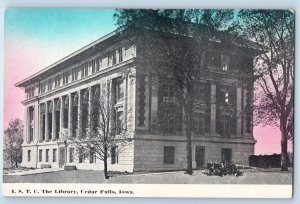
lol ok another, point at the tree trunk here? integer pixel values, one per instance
(188, 123)
(284, 154)
(105, 165)
(16, 162)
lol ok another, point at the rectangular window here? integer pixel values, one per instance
(120, 54)
(114, 57)
(167, 89)
(74, 74)
(119, 122)
(86, 69)
(226, 155)
(114, 155)
(57, 81)
(71, 153)
(49, 84)
(199, 123)
(80, 154)
(47, 155)
(31, 123)
(54, 155)
(42, 88)
(65, 78)
(225, 62)
(119, 89)
(99, 64)
(93, 66)
(29, 155)
(40, 155)
(169, 154)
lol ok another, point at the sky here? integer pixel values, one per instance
(36, 38)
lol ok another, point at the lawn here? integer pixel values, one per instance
(89, 176)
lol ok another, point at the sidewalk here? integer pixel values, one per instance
(26, 172)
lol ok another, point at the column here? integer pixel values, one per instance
(89, 108)
(238, 111)
(36, 122)
(154, 105)
(70, 115)
(126, 101)
(79, 114)
(26, 127)
(61, 119)
(40, 135)
(110, 101)
(244, 119)
(53, 120)
(213, 108)
(46, 122)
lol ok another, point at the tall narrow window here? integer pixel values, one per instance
(85, 114)
(119, 88)
(120, 54)
(57, 81)
(43, 121)
(199, 123)
(75, 74)
(66, 77)
(66, 112)
(114, 57)
(226, 155)
(80, 155)
(29, 155)
(71, 155)
(54, 155)
(86, 69)
(119, 122)
(47, 155)
(225, 62)
(49, 84)
(227, 98)
(114, 155)
(31, 124)
(40, 155)
(99, 64)
(93, 66)
(169, 154)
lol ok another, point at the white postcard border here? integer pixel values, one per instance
(146, 190)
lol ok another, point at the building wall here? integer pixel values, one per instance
(102, 77)
(141, 109)
(149, 153)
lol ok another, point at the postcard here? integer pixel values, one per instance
(149, 103)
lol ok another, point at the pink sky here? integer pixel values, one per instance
(26, 54)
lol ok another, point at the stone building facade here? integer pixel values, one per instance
(58, 99)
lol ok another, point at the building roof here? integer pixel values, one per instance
(92, 48)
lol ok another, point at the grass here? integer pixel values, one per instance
(178, 177)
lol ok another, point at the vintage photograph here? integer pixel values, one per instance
(144, 96)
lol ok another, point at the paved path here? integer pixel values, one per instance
(32, 172)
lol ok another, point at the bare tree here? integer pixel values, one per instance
(108, 134)
(273, 31)
(13, 139)
(173, 43)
